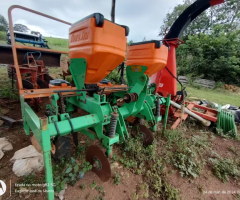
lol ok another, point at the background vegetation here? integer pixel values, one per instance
(212, 41)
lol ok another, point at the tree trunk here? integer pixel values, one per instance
(113, 11)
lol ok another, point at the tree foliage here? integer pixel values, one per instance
(21, 28)
(227, 15)
(212, 41)
(3, 23)
(213, 56)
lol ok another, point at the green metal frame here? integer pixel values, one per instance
(99, 109)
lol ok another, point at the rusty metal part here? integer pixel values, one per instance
(146, 134)
(41, 83)
(47, 78)
(62, 107)
(15, 46)
(27, 84)
(28, 94)
(50, 58)
(98, 159)
(36, 144)
(127, 98)
(130, 97)
(134, 96)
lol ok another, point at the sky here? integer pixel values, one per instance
(143, 17)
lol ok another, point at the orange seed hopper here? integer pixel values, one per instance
(101, 42)
(148, 53)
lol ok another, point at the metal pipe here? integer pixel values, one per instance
(204, 121)
(81, 90)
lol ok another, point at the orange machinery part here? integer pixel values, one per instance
(104, 47)
(148, 55)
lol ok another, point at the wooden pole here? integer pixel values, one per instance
(113, 11)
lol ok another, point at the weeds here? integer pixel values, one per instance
(135, 153)
(7, 91)
(117, 179)
(143, 190)
(82, 186)
(187, 164)
(100, 190)
(234, 150)
(114, 158)
(93, 185)
(158, 184)
(187, 153)
(229, 134)
(71, 173)
(68, 171)
(225, 168)
(31, 180)
(144, 160)
(135, 195)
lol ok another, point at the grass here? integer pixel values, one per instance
(219, 96)
(3, 37)
(60, 44)
(57, 43)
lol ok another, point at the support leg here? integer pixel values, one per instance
(46, 148)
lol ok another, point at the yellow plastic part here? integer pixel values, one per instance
(148, 55)
(104, 47)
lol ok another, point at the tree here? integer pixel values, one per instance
(211, 49)
(3, 23)
(130, 42)
(227, 14)
(213, 56)
(20, 28)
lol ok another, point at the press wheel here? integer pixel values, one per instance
(145, 133)
(100, 164)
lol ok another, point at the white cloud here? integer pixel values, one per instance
(44, 32)
(144, 17)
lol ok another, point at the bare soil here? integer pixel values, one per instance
(207, 186)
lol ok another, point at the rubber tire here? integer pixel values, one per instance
(63, 147)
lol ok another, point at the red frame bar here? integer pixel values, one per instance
(15, 46)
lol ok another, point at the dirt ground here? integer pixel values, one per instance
(206, 186)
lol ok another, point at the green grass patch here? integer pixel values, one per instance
(3, 37)
(57, 43)
(60, 44)
(219, 96)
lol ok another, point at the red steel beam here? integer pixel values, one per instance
(216, 2)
